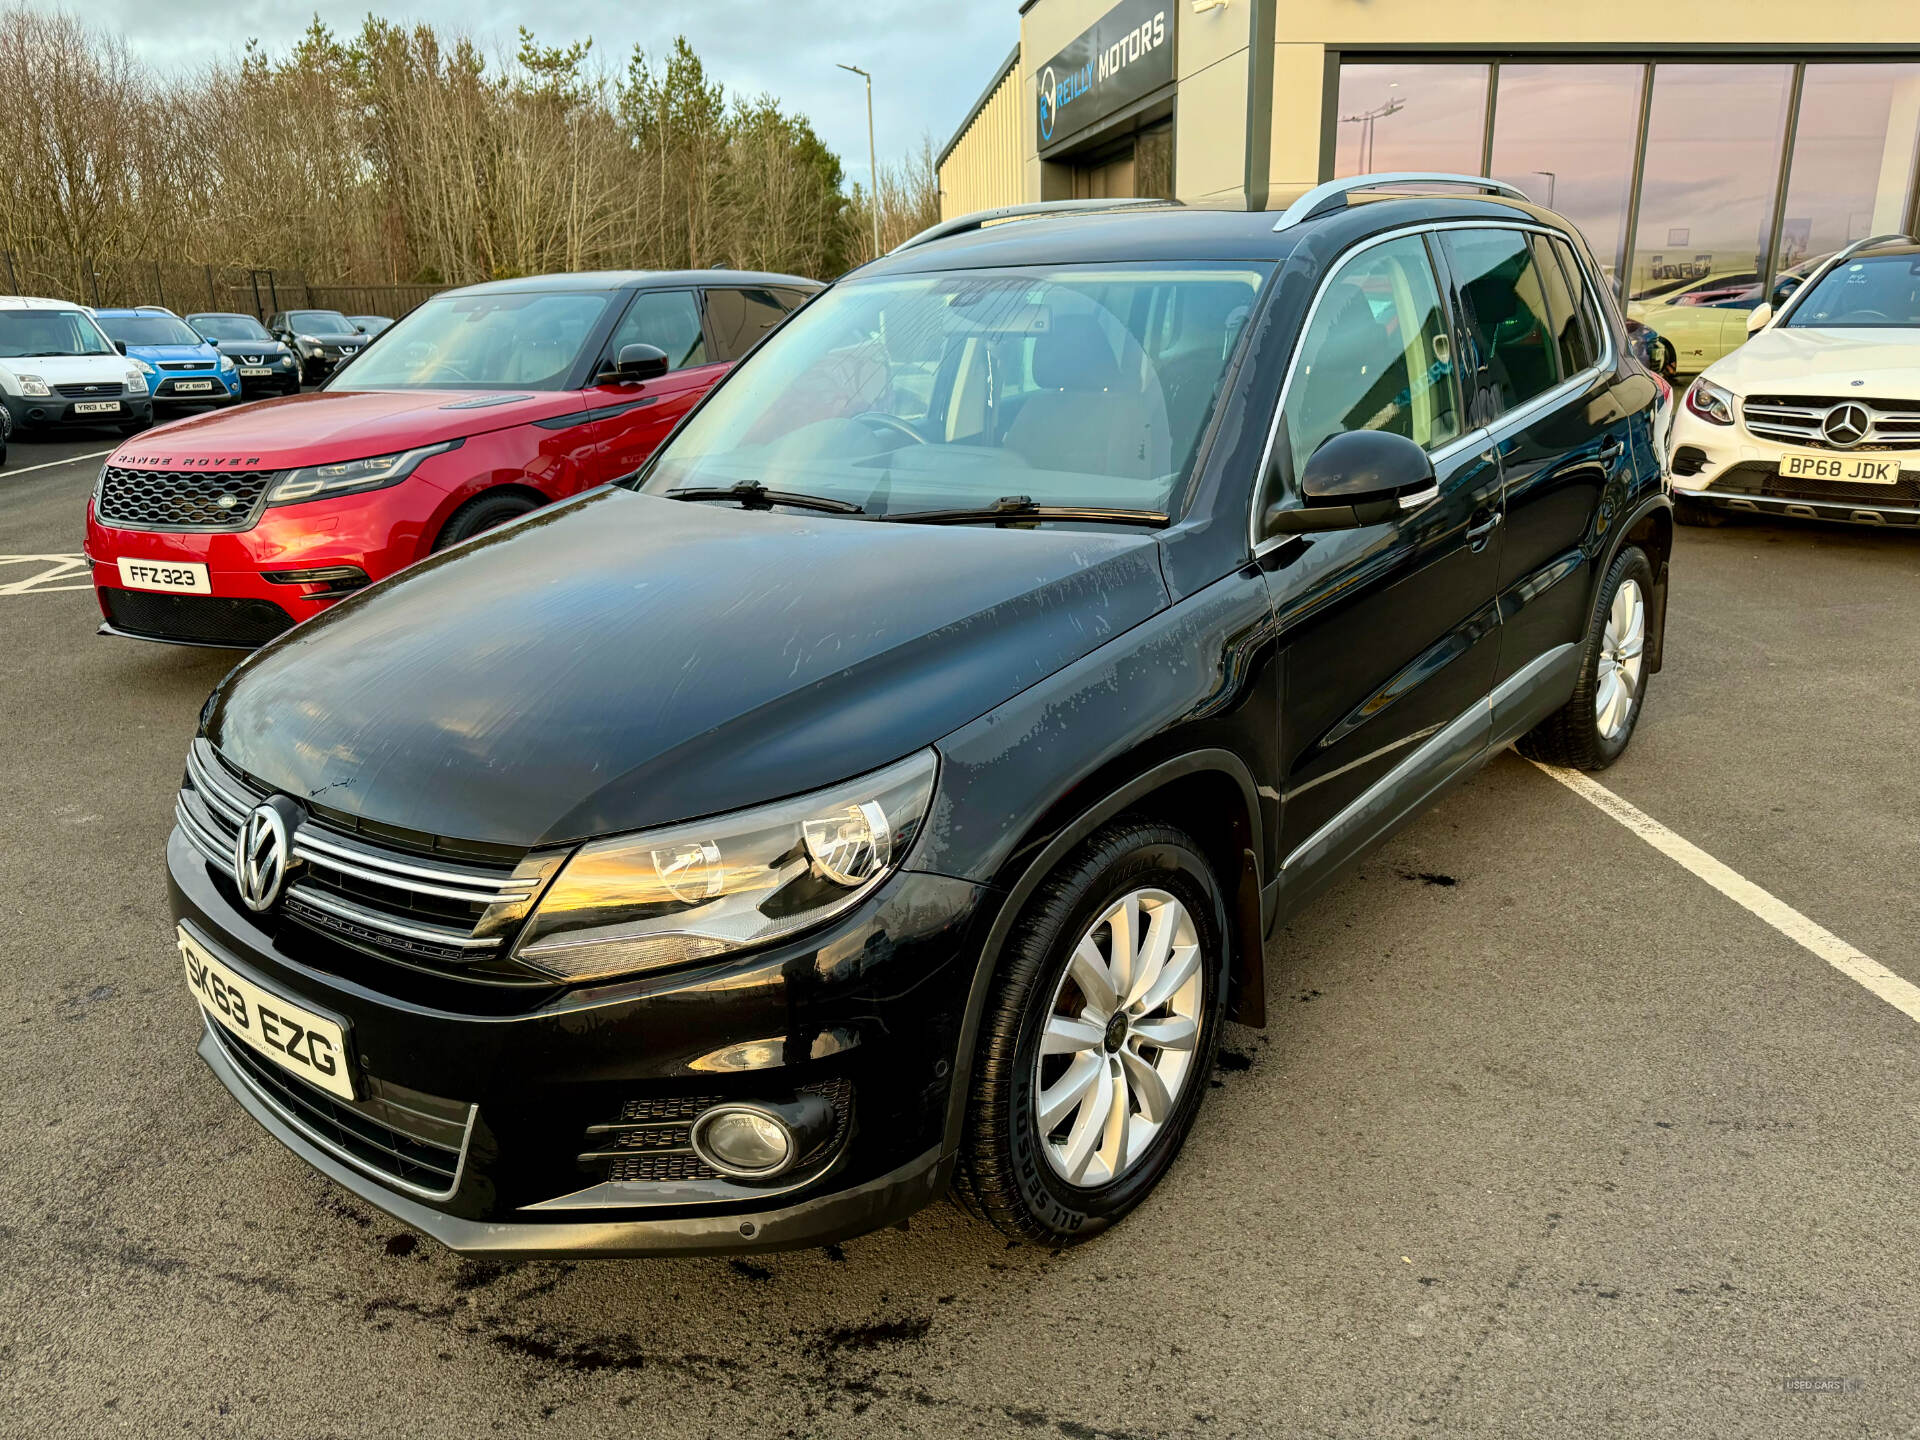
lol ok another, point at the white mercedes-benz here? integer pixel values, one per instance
(1818, 415)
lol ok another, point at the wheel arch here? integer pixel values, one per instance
(464, 498)
(1208, 793)
(1650, 526)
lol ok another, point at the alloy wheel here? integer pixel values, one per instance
(1121, 1030)
(1617, 690)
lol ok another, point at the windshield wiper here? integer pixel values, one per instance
(1015, 509)
(752, 495)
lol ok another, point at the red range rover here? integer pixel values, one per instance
(483, 404)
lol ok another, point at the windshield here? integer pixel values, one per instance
(149, 330)
(510, 341)
(49, 332)
(1068, 384)
(1879, 293)
(320, 322)
(230, 327)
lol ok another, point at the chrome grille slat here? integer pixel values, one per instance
(428, 879)
(332, 904)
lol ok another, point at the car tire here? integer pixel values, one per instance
(1011, 1172)
(1698, 512)
(481, 513)
(1591, 730)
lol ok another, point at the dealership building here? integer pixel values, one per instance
(1689, 144)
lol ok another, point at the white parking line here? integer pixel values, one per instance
(53, 569)
(1814, 938)
(71, 459)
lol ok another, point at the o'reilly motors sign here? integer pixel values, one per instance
(1126, 54)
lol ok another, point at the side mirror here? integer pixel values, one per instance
(1758, 317)
(1359, 477)
(121, 346)
(637, 363)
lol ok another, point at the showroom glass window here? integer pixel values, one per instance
(1565, 134)
(1377, 355)
(1714, 139)
(1853, 152)
(1501, 280)
(1411, 117)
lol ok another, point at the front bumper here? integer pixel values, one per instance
(166, 392)
(871, 1009)
(49, 412)
(1730, 468)
(379, 532)
(280, 380)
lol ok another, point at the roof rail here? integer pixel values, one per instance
(1333, 193)
(980, 219)
(1857, 246)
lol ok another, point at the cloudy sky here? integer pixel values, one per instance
(929, 58)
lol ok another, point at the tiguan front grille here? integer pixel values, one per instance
(444, 914)
(181, 499)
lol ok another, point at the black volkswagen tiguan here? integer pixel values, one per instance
(887, 791)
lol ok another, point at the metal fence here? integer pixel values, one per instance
(185, 287)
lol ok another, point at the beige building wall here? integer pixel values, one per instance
(984, 168)
(1213, 104)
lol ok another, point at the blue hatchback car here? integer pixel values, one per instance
(180, 366)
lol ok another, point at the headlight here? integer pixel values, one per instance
(226, 365)
(302, 343)
(143, 367)
(31, 384)
(370, 474)
(135, 380)
(1710, 402)
(711, 887)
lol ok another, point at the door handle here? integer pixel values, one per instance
(1612, 448)
(1478, 534)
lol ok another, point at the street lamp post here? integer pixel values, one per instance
(873, 167)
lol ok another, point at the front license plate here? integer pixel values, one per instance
(255, 372)
(96, 407)
(185, 385)
(185, 577)
(291, 1036)
(1844, 469)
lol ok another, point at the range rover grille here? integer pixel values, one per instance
(181, 499)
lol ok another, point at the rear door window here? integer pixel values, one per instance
(738, 318)
(1377, 355)
(668, 320)
(1572, 338)
(1503, 287)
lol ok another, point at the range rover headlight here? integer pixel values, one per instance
(1712, 403)
(372, 473)
(690, 892)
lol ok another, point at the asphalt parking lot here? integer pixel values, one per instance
(1547, 1137)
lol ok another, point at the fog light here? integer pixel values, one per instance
(328, 579)
(746, 1142)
